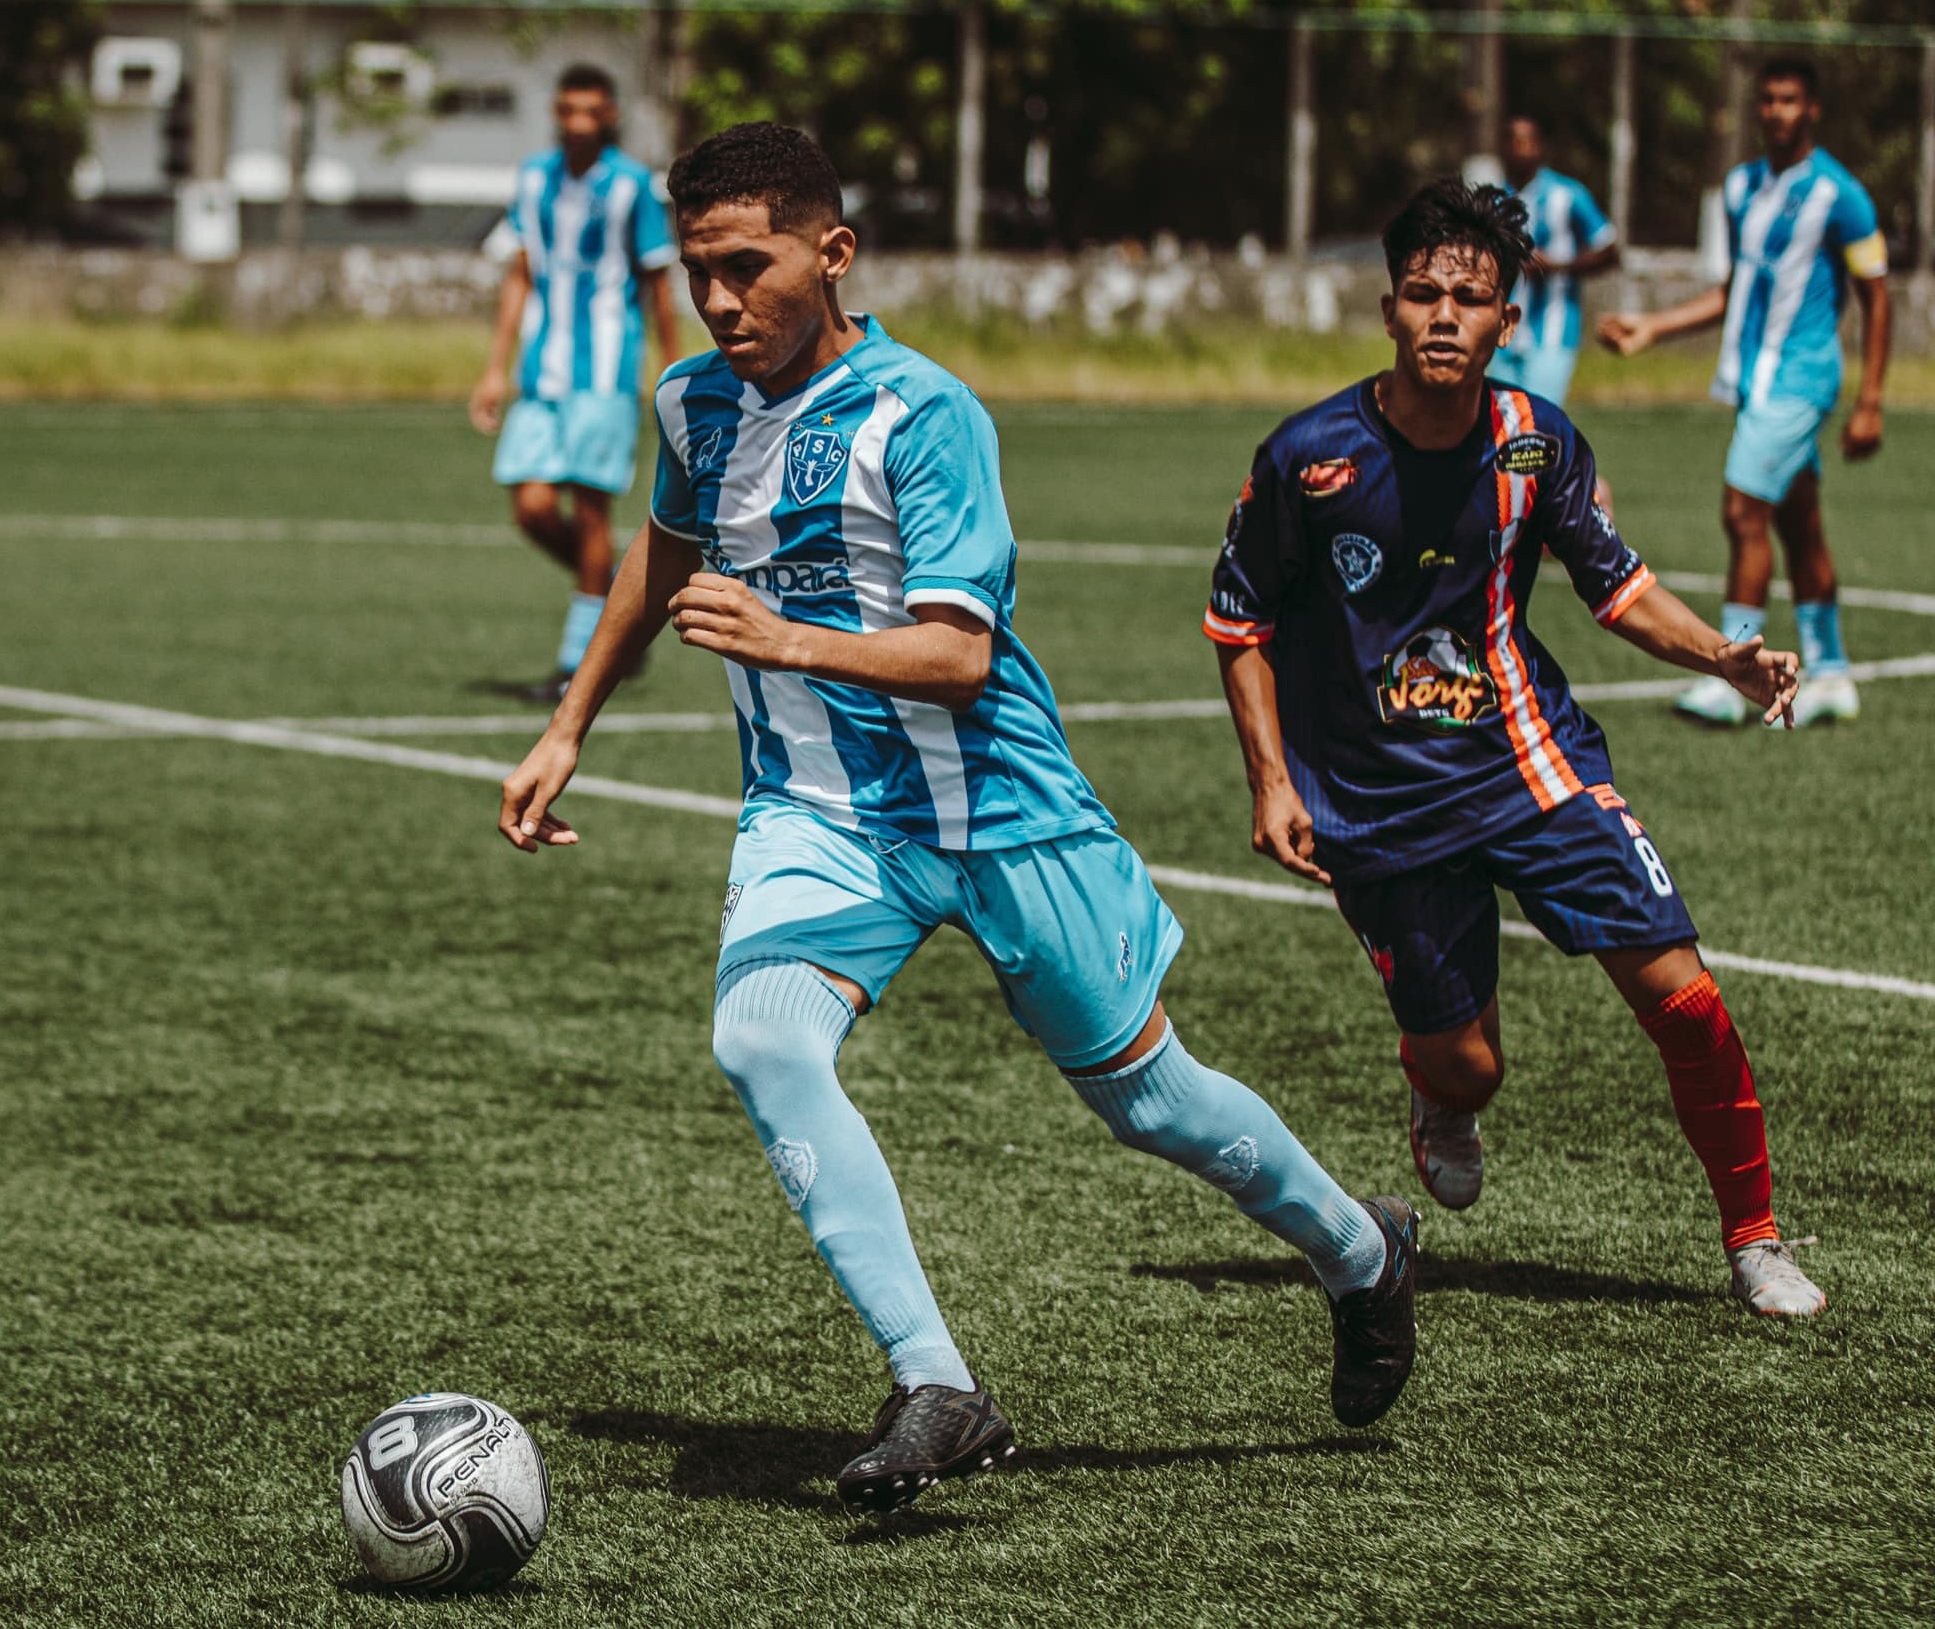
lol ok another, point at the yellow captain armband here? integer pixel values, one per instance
(1868, 258)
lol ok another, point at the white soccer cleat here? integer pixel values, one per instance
(1713, 701)
(1449, 1153)
(1823, 700)
(1770, 1282)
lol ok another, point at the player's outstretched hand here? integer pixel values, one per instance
(487, 403)
(722, 614)
(1624, 333)
(1282, 829)
(1861, 435)
(1767, 678)
(524, 816)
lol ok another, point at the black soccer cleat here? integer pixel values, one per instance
(923, 1437)
(1374, 1332)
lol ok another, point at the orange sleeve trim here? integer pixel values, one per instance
(1620, 600)
(1226, 631)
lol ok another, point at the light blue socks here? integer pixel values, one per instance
(777, 1031)
(1741, 622)
(1169, 1105)
(580, 623)
(1820, 626)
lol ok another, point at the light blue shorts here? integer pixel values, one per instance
(586, 439)
(1544, 370)
(1073, 927)
(1773, 443)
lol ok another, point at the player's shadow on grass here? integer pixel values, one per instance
(778, 1464)
(1511, 1280)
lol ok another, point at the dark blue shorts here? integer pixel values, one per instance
(1586, 875)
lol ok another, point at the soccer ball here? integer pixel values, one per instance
(445, 1491)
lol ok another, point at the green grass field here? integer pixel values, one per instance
(315, 1095)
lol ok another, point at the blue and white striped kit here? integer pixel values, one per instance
(870, 490)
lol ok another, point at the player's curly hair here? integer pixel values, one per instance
(772, 164)
(1448, 213)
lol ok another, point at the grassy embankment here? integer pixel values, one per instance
(353, 361)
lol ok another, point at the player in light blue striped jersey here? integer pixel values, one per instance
(828, 518)
(1802, 232)
(589, 242)
(1574, 241)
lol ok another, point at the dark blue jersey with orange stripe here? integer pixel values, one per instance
(1390, 585)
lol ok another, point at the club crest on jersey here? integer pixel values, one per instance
(814, 458)
(1530, 454)
(1435, 681)
(1358, 560)
(1327, 477)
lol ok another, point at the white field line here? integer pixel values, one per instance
(489, 534)
(1078, 712)
(155, 720)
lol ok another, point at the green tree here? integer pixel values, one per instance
(43, 113)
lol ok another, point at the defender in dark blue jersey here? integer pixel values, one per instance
(1411, 743)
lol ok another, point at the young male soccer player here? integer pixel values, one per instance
(1571, 241)
(1411, 743)
(828, 517)
(1800, 227)
(593, 241)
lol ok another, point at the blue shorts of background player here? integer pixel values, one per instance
(1074, 929)
(589, 438)
(1774, 443)
(1585, 873)
(1543, 370)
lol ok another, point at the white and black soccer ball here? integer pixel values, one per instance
(445, 1491)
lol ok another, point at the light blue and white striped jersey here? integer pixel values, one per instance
(873, 488)
(1794, 236)
(1565, 222)
(586, 238)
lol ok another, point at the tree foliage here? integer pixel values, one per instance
(43, 112)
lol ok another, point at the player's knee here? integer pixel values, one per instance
(1744, 518)
(534, 504)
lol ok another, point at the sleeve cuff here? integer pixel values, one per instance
(1229, 631)
(1616, 604)
(1605, 237)
(964, 599)
(665, 525)
(657, 259)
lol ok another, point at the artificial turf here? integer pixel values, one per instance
(315, 1095)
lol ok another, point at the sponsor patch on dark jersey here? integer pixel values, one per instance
(1327, 477)
(1436, 681)
(1529, 454)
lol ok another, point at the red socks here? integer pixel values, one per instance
(1713, 1095)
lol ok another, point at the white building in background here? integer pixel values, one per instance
(403, 140)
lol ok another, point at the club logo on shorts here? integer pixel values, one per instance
(814, 458)
(1327, 477)
(733, 891)
(1435, 681)
(1358, 560)
(1125, 959)
(1530, 454)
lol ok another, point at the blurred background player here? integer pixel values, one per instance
(828, 517)
(1572, 240)
(1799, 229)
(1411, 743)
(592, 241)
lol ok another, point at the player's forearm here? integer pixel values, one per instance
(1877, 319)
(655, 567)
(1689, 316)
(945, 663)
(1663, 625)
(510, 317)
(1594, 261)
(1250, 688)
